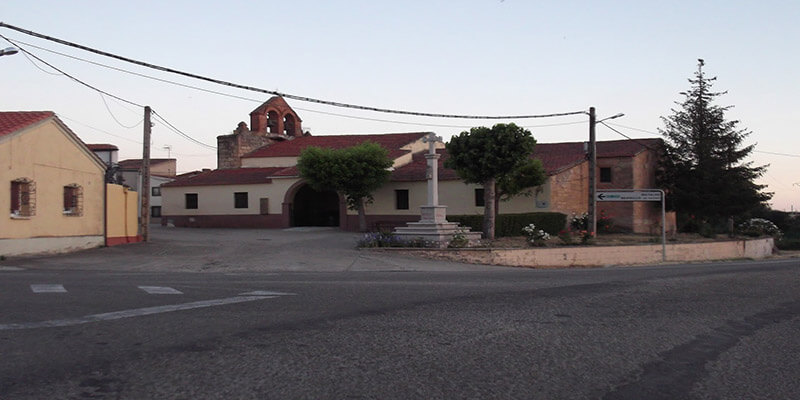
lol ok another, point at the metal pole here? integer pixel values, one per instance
(144, 224)
(663, 226)
(592, 220)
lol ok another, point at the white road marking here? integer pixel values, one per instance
(48, 288)
(137, 312)
(160, 290)
(266, 293)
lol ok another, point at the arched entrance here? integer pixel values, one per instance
(315, 208)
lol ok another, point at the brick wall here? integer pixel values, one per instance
(569, 190)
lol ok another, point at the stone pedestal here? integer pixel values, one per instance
(433, 227)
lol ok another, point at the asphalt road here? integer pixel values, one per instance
(708, 331)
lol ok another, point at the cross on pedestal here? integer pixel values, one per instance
(432, 172)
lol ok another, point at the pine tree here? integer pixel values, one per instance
(704, 169)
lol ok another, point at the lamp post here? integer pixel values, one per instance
(592, 220)
(8, 51)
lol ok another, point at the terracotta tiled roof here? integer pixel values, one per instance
(233, 176)
(292, 148)
(555, 157)
(13, 121)
(102, 147)
(136, 163)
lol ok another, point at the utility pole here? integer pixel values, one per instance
(592, 220)
(144, 224)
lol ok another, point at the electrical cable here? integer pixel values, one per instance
(276, 93)
(172, 127)
(178, 131)
(629, 138)
(97, 129)
(657, 134)
(115, 118)
(14, 42)
(72, 77)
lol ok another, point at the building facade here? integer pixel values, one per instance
(51, 185)
(257, 183)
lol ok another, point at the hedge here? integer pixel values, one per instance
(512, 224)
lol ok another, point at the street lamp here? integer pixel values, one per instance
(592, 220)
(9, 51)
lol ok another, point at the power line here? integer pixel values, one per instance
(276, 93)
(70, 76)
(259, 101)
(102, 92)
(179, 132)
(115, 118)
(97, 129)
(654, 133)
(629, 138)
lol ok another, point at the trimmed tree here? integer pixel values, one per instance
(703, 168)
(527, 175)
(490, 155)
(356, 172)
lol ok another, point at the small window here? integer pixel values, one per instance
(605, 175)
(401, 199)
(73, 200)
(23, 198)
(479, 198)
(156, 191)
(240, 200)
(155, 211)
(191, 201)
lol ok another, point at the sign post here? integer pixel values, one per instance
(640, 195)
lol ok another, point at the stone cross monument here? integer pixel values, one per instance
(433, 226)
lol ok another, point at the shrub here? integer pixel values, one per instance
(385, 239)
(579, 222)
(759, 227)
(788, 243)
(459, 240)
(512, 224)
(536, 236)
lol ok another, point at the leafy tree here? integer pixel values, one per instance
(527, 175)
(489, 156)
(703, 168)
(355, 172)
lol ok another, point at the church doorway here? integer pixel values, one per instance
(315, 208)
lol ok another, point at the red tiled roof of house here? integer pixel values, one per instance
(136, 163)
(555, 157)
(233, 176)
(292, 148)
(101, 147)
(13, 121)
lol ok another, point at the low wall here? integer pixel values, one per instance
(122, 221)
(594, 256)
(48, 245)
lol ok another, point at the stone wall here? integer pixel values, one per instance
(599, 256)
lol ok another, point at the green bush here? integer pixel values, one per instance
(788, 243)
(512, 224)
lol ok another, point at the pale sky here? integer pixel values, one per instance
(483, 57)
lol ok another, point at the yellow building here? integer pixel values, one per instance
(51, 185)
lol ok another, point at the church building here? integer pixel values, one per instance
(257, 183)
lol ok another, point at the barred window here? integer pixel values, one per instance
(23, 198)
(73, 200)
